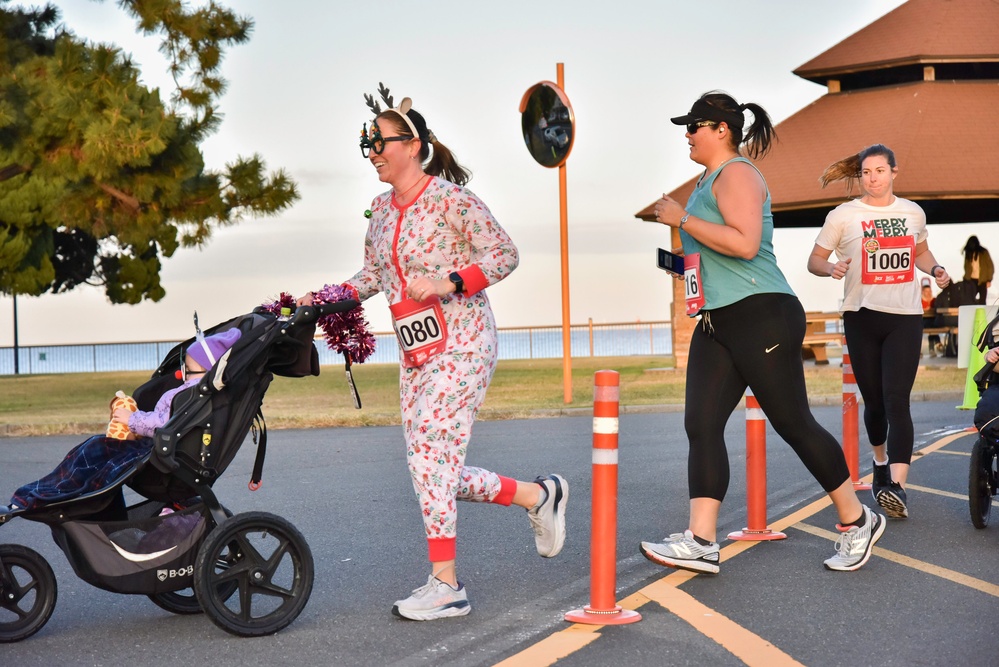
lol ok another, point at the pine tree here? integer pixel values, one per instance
(99, 177)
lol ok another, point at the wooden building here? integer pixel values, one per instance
(924, 81)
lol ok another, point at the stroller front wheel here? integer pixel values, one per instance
(982, 478)
(27, 592)
(254, 574)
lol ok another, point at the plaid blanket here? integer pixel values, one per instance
(90, 466)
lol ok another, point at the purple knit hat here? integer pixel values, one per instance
(206, 351)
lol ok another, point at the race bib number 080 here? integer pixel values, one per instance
(420, 329)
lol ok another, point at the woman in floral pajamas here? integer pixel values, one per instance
(433, 247)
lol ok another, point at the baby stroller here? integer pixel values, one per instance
(250, 573)
(983, 476)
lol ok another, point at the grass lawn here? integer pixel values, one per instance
(77, 403)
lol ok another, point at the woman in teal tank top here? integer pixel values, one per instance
(750, 333)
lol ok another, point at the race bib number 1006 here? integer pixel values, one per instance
(888, 260)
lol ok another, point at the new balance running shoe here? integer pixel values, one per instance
(681, 550)
(855, 543)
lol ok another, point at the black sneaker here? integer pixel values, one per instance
(892, 501)
(881, 481)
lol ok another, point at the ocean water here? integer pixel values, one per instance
(608, 340)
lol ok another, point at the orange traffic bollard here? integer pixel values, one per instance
(851, 421)
(603, 608)
(756, 476)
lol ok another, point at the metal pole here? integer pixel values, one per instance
(17, 365)
(564, 234)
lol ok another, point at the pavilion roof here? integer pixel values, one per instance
(920, 31)
(924, 81)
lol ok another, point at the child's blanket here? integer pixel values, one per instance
(90, 466)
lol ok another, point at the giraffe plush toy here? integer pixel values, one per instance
(116, 430)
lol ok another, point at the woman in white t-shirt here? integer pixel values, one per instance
(880, 240)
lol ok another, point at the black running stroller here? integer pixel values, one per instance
(251, 573)
(983, 475)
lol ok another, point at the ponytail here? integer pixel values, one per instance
(849, 168)
(442, 162)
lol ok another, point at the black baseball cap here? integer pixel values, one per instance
(701, 110)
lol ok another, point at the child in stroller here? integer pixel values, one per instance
(250, 573)
(99, 460)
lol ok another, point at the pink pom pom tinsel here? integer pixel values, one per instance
(347, 332)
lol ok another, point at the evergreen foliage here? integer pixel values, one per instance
(99, 177)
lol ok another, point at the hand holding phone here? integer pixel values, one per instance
(670, 263)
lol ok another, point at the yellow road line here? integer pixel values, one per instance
(747, 646)
(947, 451)
(937, 492)
(555, 647)
(922, 566)
(740, 642)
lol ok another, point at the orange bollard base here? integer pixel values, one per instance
(747, 535)
(861, 486)
(616, 616)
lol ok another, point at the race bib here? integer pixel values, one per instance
(692, 283)
(420, 328)
(888, 260)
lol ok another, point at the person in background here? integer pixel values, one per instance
(978, 268)
(750, 334)
(433, 248)
(880, 240)
(929, 303)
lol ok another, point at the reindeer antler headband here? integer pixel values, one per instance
(402, 110)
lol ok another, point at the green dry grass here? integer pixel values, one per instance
(78, 402)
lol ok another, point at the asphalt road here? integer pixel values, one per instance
(929, 596)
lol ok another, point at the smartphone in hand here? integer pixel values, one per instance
(669, 262)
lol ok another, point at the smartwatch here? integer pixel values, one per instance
(459, 284)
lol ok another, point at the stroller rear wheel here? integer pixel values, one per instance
(177, 602)
(254, 574)
(27, 592)
(982, 481)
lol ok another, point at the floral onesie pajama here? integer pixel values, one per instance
(445, 229)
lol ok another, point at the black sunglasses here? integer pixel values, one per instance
(692, 128)
(376, 141)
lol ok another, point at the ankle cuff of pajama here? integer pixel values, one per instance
(508, 487)
(443, 548)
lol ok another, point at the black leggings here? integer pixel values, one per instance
(755, 342)
(884, 351)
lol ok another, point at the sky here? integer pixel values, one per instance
(295, 96)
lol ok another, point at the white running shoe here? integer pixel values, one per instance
(548, 516)
(855, 544)
(433, 600)
(681, 550)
